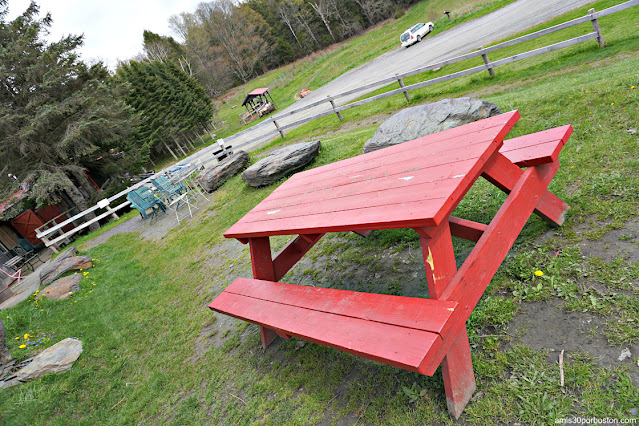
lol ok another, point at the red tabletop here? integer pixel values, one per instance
(413, 184)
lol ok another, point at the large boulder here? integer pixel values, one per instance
(51, 265)
(423, 120)
(213, 177)
(74, 263)
(61, 288)
(280, 163)
(56, 359)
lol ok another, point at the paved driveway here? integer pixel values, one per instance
(460, 39)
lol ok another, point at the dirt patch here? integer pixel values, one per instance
(547, 326)
(613, 244)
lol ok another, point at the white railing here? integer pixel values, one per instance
(212, 150)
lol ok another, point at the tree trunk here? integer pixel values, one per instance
(80, 202)
(5, 356)
(319, 7)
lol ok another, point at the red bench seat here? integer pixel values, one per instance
(404, 332)
(536, 148)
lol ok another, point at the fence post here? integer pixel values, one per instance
(595, 26)
(339, 114)
(484, 56)
(278, 129)
(401, 84)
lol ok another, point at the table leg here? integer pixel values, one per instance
(263, 269)
(457, 366)
(439, 257)
(459, 378)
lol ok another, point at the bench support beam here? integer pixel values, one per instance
(505, 177)
(292, 253)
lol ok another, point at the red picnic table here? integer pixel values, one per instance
(417, 185)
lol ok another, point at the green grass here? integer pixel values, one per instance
(153, 352)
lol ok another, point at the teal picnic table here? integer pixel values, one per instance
(416, 185)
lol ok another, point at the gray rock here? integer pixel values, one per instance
(60, 289)
(51, 265)
(69, 264)
(625, 354)
(212, 178)
(56, 359)
(423, 120)
(280, 163)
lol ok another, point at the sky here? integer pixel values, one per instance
(112, 28)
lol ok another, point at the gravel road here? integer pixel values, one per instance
(460, 39)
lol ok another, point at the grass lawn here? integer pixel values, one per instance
(153, 353)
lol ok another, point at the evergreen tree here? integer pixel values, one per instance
(167, 102)
(57, 115)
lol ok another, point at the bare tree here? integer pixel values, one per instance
(303, 18)
(235, 31)
(286, 12)
(374, 10)
(323, 9)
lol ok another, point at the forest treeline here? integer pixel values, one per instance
(224, 43)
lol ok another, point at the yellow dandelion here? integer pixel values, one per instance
(612, 103)
(539, 273)
(70, 292)
(18, 338)
(22, 346)
(632, 87)
(26, 336)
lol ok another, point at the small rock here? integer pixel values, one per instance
(60, 289)
(299, 344)
(477, 396)
(281, 163)
(633, 411)
(632, 131)
(625, 354)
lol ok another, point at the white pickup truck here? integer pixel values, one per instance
(415, 33)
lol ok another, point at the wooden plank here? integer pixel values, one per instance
(410, 312)
(395, 176)
(403, 215)
(84, 225)
(536, 148)
(466, 229)
(481, 130)
(550, 207)
(426, 151)
(535, 155)
(372, 198)
(292, 253)
(397, 346)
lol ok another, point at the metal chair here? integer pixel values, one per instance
(144, 200)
